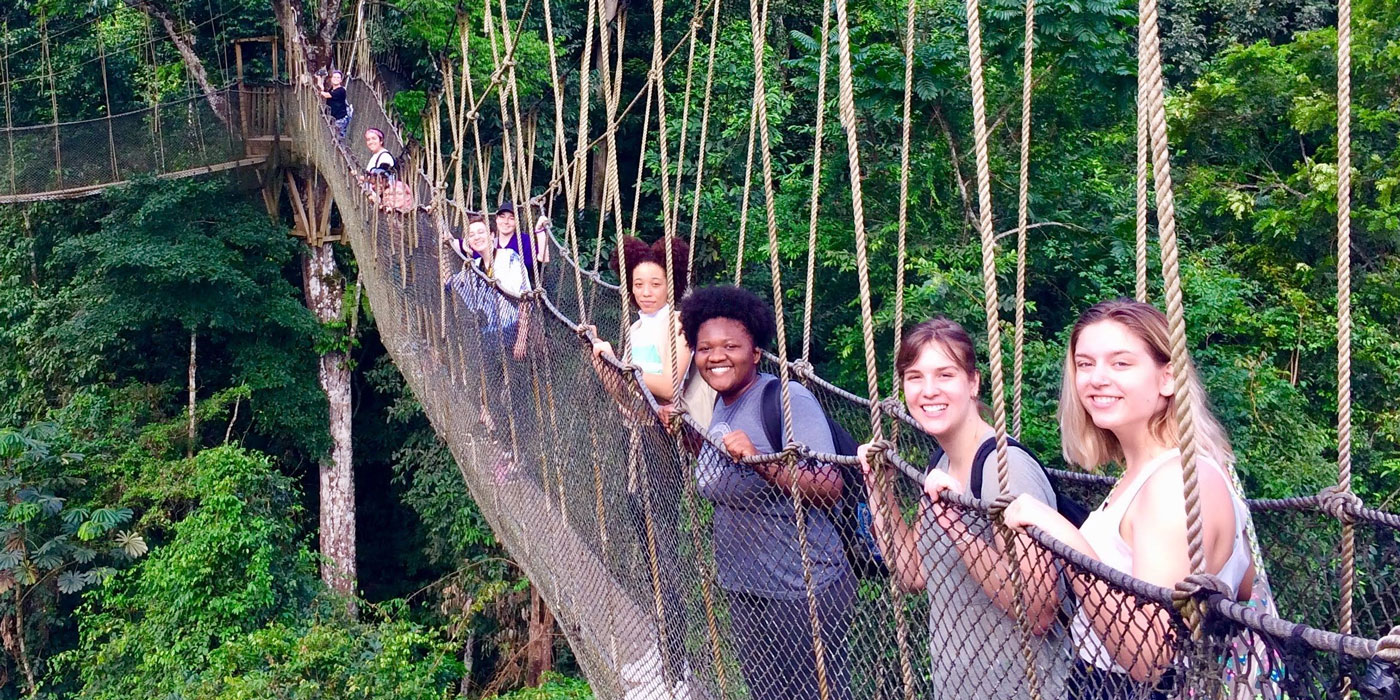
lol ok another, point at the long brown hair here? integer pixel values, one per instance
(1090, 446)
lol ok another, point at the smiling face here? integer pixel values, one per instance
(726, 356)
(1117, 379)
(373, 142)
(479, 237)
(505, 224)
(649, 287)
(337, 79)
(940, 394)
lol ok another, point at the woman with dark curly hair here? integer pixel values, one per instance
(758, 551)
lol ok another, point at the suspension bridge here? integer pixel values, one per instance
(558, 479)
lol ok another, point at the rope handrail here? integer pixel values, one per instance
(229, 89)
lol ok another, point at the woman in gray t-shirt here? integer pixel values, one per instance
(761, 559)
(974, 636)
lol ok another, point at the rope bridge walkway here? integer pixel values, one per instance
(181, 138)
(602, 507)
(632, 539)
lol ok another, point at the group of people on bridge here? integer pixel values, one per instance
(788, 573)
(1117, 405)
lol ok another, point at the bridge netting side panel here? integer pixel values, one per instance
(73, 158)
(611, 516)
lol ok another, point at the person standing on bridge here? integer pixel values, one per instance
(336, 104)
(503, 322)
(1118, 403)
(761, 555)
(955, 555)
(381, 162)
(532, 248)
(655, 344)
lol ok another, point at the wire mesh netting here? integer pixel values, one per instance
(676, 572)
(182, 136)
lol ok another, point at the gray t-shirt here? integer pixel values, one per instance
(975, 645)
(757, 549)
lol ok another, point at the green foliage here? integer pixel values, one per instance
(552, 687)
(233, 565)
(331, 659)
(117, 302)
(53, 546)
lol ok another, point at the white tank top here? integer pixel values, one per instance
(1103, 531)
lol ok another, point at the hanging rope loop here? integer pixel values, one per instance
(997, 508)
(878, 452)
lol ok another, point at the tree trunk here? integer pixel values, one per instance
(325, 296)
(315, 41)
(539, 655)
(194, 422)
(184, 43)
(468, 654)
(19, 633)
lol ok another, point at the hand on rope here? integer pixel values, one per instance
(1190, 596)
(871, 457)
(935, 483)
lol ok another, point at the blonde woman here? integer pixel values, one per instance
(1118, 404)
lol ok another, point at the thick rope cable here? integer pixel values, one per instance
(1348, 544)
(847, 112)
(575, 201)
(814, 203)
(1140, 211)
(901, 255)
(990, 299)
(1171, 274)
(642, 155)
(1018, 352)
(675, 202)
(748, 187)
(758, 31)
(701, 151)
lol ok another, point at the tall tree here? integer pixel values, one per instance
(184, 42)
(324, 287)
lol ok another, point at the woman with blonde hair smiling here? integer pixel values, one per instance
(1118, 404)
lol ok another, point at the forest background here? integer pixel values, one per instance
(146, 560)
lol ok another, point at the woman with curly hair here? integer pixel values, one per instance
(654, 341)
(758, 550)
(654, 344)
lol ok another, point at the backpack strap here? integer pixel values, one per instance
(773, 414)
(979, 462)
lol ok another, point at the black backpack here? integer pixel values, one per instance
(1073, 510)
(850, 514)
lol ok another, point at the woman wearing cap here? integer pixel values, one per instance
(503, 322)
(533, 249)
